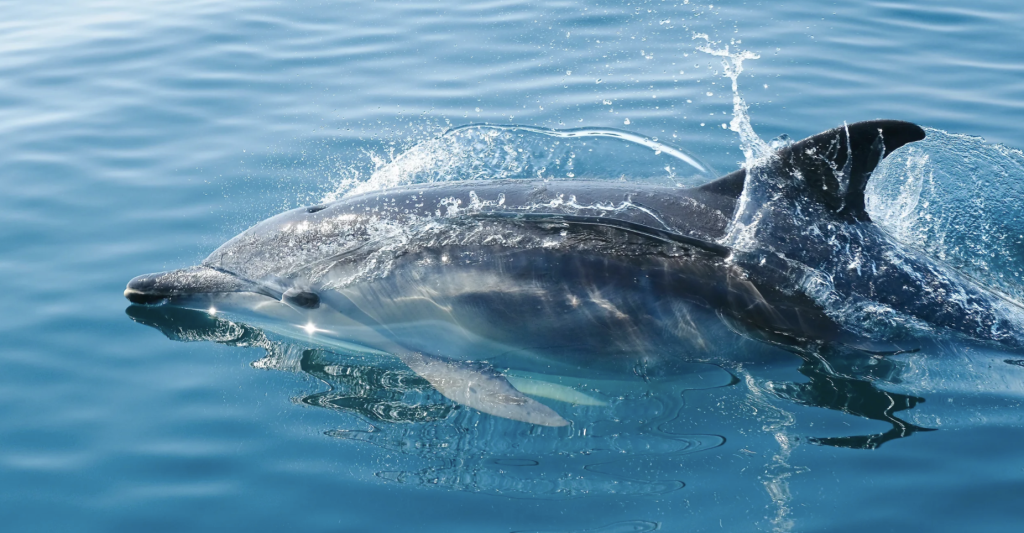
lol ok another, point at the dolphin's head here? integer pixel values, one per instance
(189, 287)
(270, 260)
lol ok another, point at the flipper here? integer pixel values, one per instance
(473, 385)
(535, 386)
(482, 389)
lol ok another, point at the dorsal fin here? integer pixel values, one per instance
(836, 180)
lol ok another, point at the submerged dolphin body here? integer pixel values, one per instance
(457, 278)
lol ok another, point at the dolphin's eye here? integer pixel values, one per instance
(315, 208)
(300, 298)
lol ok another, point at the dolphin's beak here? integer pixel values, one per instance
(152, 289)
(143, 289)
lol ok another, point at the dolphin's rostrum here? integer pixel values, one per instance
(458, 278)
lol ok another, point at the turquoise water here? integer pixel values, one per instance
(138, 138)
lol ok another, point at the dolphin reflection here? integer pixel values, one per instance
(383, 393)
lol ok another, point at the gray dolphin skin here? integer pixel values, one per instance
(459, 278)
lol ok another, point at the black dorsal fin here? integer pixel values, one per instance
(836, 180)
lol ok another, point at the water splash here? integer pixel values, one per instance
(485, 152)
(741, 231)
(956, 198)
(754, 148)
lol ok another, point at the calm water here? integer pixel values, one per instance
(137, 138)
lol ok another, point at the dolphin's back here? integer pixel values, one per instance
(307, 240)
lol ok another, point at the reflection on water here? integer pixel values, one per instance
(379, 394)
(633, 441)
(845, 384)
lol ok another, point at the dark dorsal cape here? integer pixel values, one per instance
(835, 164)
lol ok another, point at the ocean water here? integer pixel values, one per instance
(137, 138)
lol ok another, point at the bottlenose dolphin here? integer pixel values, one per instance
(459, 278)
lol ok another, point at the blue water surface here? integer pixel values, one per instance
(136, 137)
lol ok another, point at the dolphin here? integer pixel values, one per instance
(459, 279)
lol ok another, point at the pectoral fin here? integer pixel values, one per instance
(554, 391)
(482, 389)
